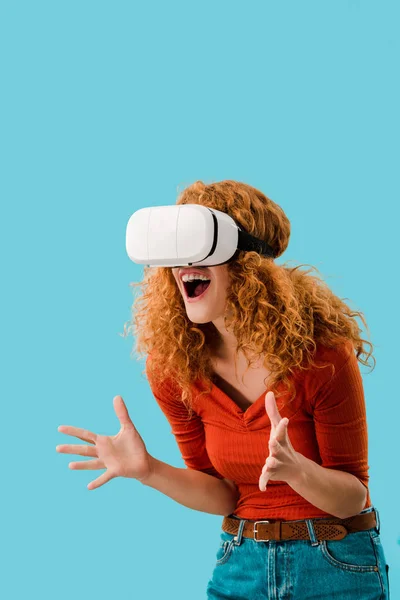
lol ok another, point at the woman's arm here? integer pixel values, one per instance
(339, 485)
(336, 492)
(194, 489)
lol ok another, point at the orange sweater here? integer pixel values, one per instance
(327, 423)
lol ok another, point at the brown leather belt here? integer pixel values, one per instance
(331, 528)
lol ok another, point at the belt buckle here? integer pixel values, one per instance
(255, 531)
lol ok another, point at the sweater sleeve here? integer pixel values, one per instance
(339, 413)
(189, 433)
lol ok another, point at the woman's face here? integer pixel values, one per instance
(211, 305)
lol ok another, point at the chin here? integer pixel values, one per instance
(199, 320)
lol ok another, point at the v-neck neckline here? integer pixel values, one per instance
(237, 408)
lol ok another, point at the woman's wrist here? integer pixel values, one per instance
(152, 468)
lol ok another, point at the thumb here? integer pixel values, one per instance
(121, 411)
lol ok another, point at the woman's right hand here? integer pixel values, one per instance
(122, 455)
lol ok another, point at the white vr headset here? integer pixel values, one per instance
(187, 234)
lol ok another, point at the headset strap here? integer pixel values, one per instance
(249, 242)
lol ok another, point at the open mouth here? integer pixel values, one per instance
(195, 288)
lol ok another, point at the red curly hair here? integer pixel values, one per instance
(275, 311)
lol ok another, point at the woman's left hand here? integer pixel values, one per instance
(283, 462)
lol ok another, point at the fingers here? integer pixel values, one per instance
(82, 434)
(281, 430)
(279, 437)
(77, 449)
(272, 409)
(266, 473)
(277, 445)
(274, 446)
(121, 411)
(87, 464)
(100, 480)
(270, 463)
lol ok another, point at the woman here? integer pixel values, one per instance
(253, 365)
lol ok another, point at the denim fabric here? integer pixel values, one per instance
(351, 568)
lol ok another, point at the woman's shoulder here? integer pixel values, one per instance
(327, 361)
(337, 355)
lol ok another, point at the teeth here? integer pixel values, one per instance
(192, 277)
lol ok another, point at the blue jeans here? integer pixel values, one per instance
(351, 568)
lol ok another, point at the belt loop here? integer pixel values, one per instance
(367, 510)
(378, 521)
(237, 540)
(311, 532)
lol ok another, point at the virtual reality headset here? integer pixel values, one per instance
(187, 234)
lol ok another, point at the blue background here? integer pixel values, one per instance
(110, 106)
